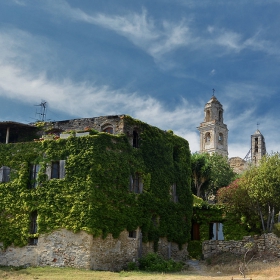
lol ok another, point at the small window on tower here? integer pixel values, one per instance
(220, 116)
(256, 145)
(208, 115)
(207, 137)
(221, 138)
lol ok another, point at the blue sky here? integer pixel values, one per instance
(155, 60)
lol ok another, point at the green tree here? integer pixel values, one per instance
(210, 172)
(256, 195)
(263, 186)
(200, 171)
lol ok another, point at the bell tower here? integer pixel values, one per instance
(213, 131)
(258, 149)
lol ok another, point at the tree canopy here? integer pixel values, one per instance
(210, 172)
(256, 194)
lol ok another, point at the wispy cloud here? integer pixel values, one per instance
(18, 81)
(156, 38)
(159, 38)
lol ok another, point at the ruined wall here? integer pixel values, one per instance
(64, 248)
(266, 243)
(98, 123)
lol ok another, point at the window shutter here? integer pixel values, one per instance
(49, 170)
(1, 174)
(61, 169)
(131, 183)
(141, 185)
(5, 174)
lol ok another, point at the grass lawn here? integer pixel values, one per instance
(259, 271)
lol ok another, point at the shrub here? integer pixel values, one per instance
(276, 229)
(195, 249)
(154, 262)
(132, 266)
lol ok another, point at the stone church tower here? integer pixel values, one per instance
(258, 149)
(213, 131)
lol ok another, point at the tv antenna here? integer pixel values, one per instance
(43, 111)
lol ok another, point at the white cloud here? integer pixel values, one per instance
(156, 39)
(160, 38)
(19, 81)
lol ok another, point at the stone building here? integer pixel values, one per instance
(213, 131)
(92, 193)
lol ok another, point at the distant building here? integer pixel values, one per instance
(214, 138)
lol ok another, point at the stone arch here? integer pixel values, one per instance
(107, 128)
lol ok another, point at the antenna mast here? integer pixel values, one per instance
(43, 111)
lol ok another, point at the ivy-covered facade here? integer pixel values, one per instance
(116, 178)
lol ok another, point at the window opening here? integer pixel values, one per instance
(220, 116)
(207, 137)
(55, 170)
(135, 139)
(216, 231)
(33, 222)
(108, 130)
(136, 184)
(221, 138)
(208, 115)
(132, 234)
(256, 144)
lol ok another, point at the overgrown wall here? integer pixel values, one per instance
(95, 195)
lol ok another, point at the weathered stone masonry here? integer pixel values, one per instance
(64, 248)
(266, 243)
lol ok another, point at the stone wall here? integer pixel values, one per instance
(98, 123)
(64, 248)
(266, 243)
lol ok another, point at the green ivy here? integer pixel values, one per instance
(94, 196)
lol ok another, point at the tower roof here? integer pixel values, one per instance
(213, 100)
(257, 132)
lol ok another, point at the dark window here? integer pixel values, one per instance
(221, 138)
(132, 234)
(136, 184)
(5, 174)
(33, 241)
(208, 117)
(256, 145)
(33, 222)
(220, 116)
(108, 130)
(34, 169)
(207, 137)
(135, 139)
(55, 170)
